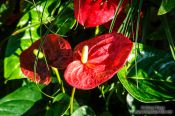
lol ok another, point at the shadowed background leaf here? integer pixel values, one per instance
(155, 76)
(19, 101)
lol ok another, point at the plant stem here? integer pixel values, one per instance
(58, 78)
(136, 37)
(115, 16)
(72, 100)
(126, 23)
(169, 36)
(97, 30)
(108, 98)
(40, 90)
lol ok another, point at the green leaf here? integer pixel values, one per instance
(15, 46)
(60, 97)
(63, 23)
(83, 111)
(166, 6)
(60, 105)
(155, 76)
(19, 101)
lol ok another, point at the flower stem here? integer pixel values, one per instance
(97, 30)
(108, 99)
(58, 78)
(169, 36)
(136, 38)
(115, 16)
(72, 100)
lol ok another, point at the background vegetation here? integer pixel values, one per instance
(147, 80)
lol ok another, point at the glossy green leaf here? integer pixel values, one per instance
(155, 77)
(19, 101)
(66, 22)
(15, 46)
(166, 6)
(39, 13)
(63, 23)
(60, 96)
(83, 111)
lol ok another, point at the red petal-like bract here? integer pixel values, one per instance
(91, 13)
(107, 54)
(57, 52)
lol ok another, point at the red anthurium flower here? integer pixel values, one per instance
(56, 51)
(97, 60)
(91, 13)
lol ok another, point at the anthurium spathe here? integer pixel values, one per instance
(55, 52)
(91, 13)
(97, 60)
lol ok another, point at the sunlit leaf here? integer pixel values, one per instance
(15, 46)
(64, 22)
(19, 101)
(166, 6)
